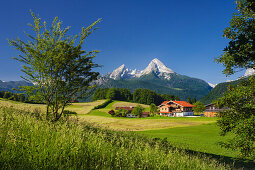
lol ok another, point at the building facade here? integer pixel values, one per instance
(176, 108)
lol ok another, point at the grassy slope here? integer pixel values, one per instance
(202, 138)
(84, 108)
(30, 142)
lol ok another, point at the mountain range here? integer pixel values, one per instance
(158, 77)
(10, 85)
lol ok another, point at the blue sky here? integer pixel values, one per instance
(185, 35)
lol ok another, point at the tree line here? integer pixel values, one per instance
(20, 97)
(143, 96)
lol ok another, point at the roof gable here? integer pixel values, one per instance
(180, 103)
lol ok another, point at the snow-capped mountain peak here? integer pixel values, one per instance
(155, 66)
(118, 72)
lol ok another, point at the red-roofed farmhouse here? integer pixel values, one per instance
(176, 108)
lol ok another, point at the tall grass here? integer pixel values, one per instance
(28, 141)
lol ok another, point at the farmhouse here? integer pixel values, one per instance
(211, 110)
(176, 108)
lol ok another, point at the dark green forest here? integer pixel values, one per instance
(143, 96)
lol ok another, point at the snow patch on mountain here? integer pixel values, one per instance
(212, 85)
(249, 72)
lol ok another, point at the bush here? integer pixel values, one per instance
(103, 105)
(68, 112)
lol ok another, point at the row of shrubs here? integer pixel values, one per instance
(103, 105)
(32, 142)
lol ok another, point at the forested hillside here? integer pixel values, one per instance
(178, 85)
(218, 91)
(8, 86)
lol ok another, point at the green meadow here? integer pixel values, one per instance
(203, 138)
(28, 141)
(94, 139)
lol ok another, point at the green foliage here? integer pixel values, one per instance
(138, 111)
(56, 64)
(103, 105)
(239, 119)
(113, 93)
(7, 95)
(239, 54)
(40, 144)
(199, 107)
(121, 113)
(153, 109)
(146, 96)
(68, 112)
(2, 94)
(100, 94)
(241, 48)
(194, 100)
(189, 100)
(218, 91)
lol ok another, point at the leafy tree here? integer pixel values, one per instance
(100, 94)
(153, 109)
(113, 94)
(2, 94)
(194, 100)
(7, 95)
(15, 97)
(239, 54)
(126, 95)
(177, 98)
(189, 100)
(240, 51)
(56, 64)
(146, 96)
(239, 119)
(138, 110)
(22, 97)
(199, 107)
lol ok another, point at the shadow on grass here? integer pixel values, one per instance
(233, 162)
(236, 163)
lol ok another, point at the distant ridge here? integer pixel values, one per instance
(9, 85)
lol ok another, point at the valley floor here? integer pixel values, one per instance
(198, 134)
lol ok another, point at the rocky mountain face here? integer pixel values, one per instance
(158, 77)
(155, 66)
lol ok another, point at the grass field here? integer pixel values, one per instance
(202, 138)
(29, 141)
(84, 108)
(192, 133)
(104, 119)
